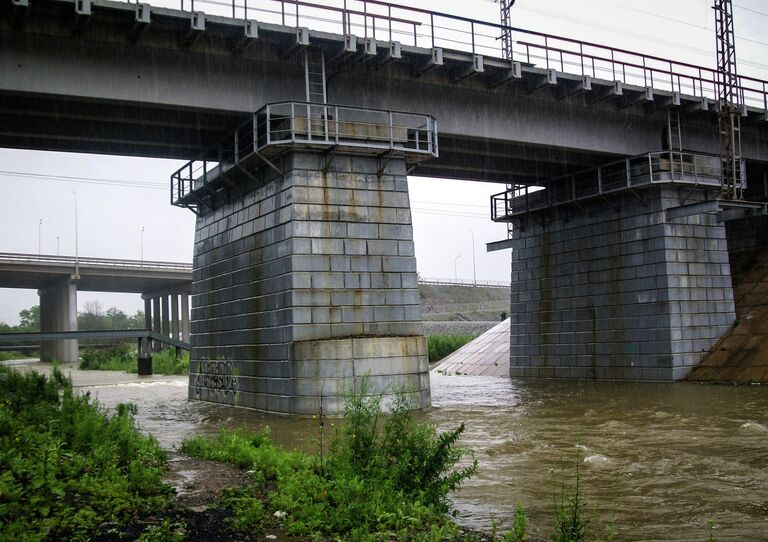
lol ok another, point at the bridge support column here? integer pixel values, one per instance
(58, 312)
(156, 322)
(306, 282)
(165, 323)
(619, 290)
(185, 316)
(148, 313)
(175, 316)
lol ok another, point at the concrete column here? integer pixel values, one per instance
(148, 313)
(185, 316)
(58, 312)
(314, 287)
(175, 316)
(164, 316)
(156, 322)
(620, 290)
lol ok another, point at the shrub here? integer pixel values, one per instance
(384, 476)
(166, 362)
(5, 355)
(439, 346)
(66, 465)
(120, 357)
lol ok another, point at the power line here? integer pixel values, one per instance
(745, 8)
(86, 180)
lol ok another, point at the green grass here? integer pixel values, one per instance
(382, 477)
(66, 466)
(440, 346)
(123, 358)
(5, 355)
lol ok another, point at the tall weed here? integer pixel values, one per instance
(66, 466)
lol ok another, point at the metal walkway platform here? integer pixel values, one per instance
(301, 125)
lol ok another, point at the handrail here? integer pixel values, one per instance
(698, 170)
(428, 28)
(100, 334)
(87, 261)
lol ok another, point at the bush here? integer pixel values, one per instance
(5, 355)
(66, 466)
(440, 346)
(122, 357)
(384, 476)
(166, 363)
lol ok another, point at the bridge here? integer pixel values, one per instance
(301, 121)
(165, 288)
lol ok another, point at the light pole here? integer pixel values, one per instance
(57, 245)
(77, 252)
(474, 264)
(40, 237)
(142, 244)
(455, 272)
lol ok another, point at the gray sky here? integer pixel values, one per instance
(110, 216)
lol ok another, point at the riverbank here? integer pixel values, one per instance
(665, 459)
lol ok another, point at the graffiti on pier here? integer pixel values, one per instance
(216, 378)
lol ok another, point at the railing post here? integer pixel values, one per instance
(389, 16)
(581, 57)
(336, 120)
(546, 51)
(431, 28)
(613, 66)
(472, 31)
(365, 18)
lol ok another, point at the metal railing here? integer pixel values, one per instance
(386, 21)
(661, 167)
(68, 261)
(427, 281)
(306, 124)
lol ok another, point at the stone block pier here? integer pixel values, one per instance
(305, 282)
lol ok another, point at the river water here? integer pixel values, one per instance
(663, 459)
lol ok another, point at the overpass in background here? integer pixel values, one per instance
(301, 122)
(164, 286)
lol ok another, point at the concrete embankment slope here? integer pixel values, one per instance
(741, 355)
(488, 355)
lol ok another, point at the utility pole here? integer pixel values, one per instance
(474, 264)
(729, 100)
(455, 268)
(40, 237)
(506, 33)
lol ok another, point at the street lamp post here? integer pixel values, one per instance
(474, 264)
(142, 244)
(77, 251)
(40, 237)
(57, 245)
(455, 271)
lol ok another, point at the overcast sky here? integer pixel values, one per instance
(445, 213)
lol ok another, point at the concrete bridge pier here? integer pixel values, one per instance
(161, 314)
(58, 312)
(304, 282)
(632, 287)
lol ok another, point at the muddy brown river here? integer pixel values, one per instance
(663, 459)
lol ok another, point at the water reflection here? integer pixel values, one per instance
(664, 458)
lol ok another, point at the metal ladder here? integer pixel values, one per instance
(314, 75)
(675, 140)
